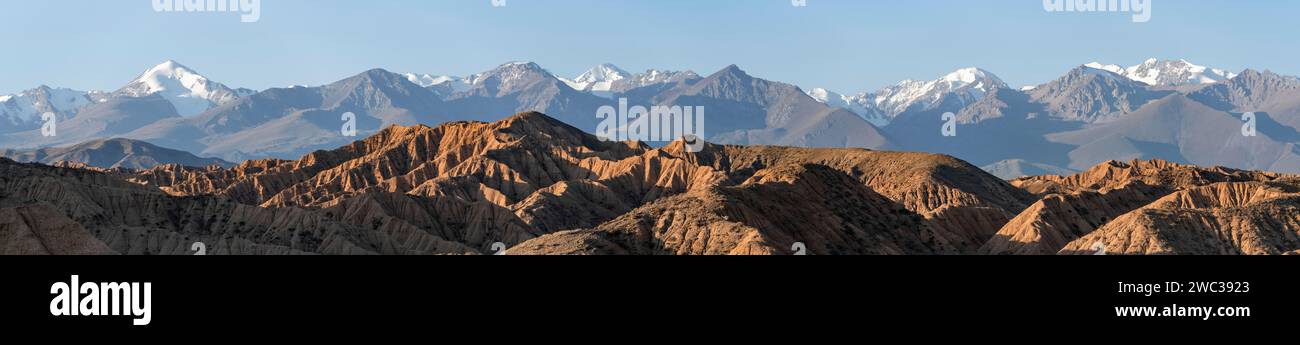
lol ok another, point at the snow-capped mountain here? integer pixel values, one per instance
(508, 78)
(427, 80)
(598, 79)
(190, 92)
(603, 81)
(880, 107)
(20, 111)
(654, 76)
(1117, 69)
(1168, 72)
(971, 83)
(441, 85)
(606, 79)
(505, 76)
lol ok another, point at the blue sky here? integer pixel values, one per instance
(845, 45)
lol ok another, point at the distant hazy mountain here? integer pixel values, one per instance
(294, 121)
(190, 92)
(113, 153)
(1252, 91)
(1016, 168)
(1182, 130)
(111, 118)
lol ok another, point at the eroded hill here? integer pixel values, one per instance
(462, 187)
(539, 186)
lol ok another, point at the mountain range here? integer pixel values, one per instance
(531, 184)
(112, 154)
(1172, 110)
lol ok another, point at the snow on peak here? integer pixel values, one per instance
(606, 79)
(971, 83)
(190, 92)
(520, 67)
(1117, 69)
(967, 75)
(603, 73)
(427, 80)
(1158, 72)
(1109, 72)
(26, 107)
(1175, 73)
(824, 95)
(850, 103)
(509, 72)
(880, 107)
(443, 85)
(598, 79)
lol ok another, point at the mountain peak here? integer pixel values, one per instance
(600, 78)
(1176, 73)
(525, 65)
(732, 71)
(973, 77)
(382, 76)
(190, 92)
(970, 75)
(1117, 69)
(511, 70)
(1158, 72)
(380, 73)
(1104, 71)
(169, 65)
(602, 72)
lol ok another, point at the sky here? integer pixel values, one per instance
(844, 45)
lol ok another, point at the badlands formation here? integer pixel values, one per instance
(539, 186)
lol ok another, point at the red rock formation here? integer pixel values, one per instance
(530, 175)
(1074, 206)
(1253, 218)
